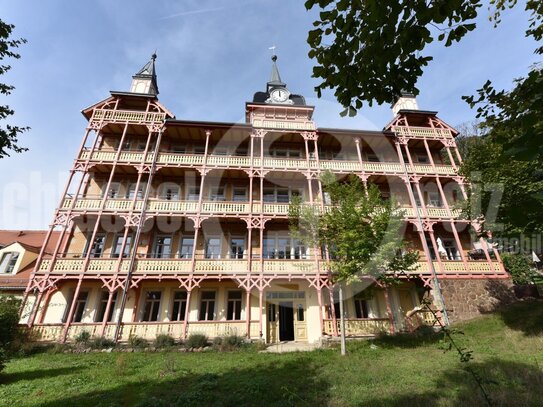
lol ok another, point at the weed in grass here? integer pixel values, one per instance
(120, 365)
(168, 366)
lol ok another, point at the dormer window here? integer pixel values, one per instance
(8, 262)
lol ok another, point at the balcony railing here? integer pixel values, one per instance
(270, 163)
(217, 208)
(128, 116)
(359, 327)
(422, 132)
(147, 330)
(149, 267)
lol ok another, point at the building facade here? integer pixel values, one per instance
(178, 227)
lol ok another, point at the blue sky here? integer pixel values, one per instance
(212, 57)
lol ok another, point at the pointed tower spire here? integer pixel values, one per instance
(144, 81)
(275, 79)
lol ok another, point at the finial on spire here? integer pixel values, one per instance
(145, 80)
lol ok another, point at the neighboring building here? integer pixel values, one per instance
(178, 226)
(19, 250)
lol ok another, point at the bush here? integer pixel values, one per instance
(3, 359)
(519, 267)
(233, 341)
(100, 343)
(164, 341)
(135, 341)
(82, 338)
(228, 342)
(196, 341)
(9, 319)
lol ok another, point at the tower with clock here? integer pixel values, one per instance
(277, 92)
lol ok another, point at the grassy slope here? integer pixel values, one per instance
(508, 352)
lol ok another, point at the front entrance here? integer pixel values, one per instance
(286, 316)
(286, 321)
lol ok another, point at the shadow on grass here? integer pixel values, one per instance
(7, 378)
(507, 384)
(278, 383)
(525, 316)
(425, 335)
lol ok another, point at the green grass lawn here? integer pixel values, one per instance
(508, 354)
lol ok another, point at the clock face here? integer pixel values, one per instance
(280, 95)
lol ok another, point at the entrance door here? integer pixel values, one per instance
(286, 321)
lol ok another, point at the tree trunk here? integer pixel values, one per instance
(342, 321)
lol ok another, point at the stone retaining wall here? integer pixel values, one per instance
(469, 298)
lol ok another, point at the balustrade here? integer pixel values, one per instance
(128, 116)
(359, 327)
(269, 163)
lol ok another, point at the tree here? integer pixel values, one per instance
(506, 161)
(359, 230)
(9, 318)
(8, 133)
(371, 51)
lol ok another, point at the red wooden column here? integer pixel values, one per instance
(452, 223)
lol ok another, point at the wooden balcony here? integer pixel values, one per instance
(146, 330)
(159, 207)
(235, 267)
(130, 116)
(422, 132)
(269, 163)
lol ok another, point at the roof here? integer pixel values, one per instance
(29, 239)
(149, 72)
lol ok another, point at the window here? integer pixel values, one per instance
(152, 306)
(233, 310)
(140, 146)
(431, 249)
(271, 313)
(241, 151)
(451, 250)
(423, 159)
(7, 264)
(185, 250)
(126, 145)
(80, 305)
(193, 193)
(278, 247)
(104, 297)
(372, 158)
(213, 248)
(239, 194)
(179, 306)
(207, 306)
(132, 191)
(300, 313)
(361, 306)
(237, 247)
(216, 194)
(178, 149)
(434, 199)
(170, 192)
(118, 243)
(280, 195)
(163, 247)
(97, 247)
(199, 150)
(114, 189)
(220, 151)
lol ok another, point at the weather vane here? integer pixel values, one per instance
(272, 48)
